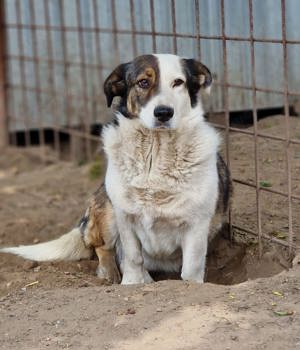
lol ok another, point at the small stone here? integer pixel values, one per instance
(37, 269)
(84, 284)
(130, 312)
(28, 265)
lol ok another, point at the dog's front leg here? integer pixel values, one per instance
(194, 248)
(133, 262)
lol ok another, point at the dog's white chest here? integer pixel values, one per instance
(148, 174)
(162, 181)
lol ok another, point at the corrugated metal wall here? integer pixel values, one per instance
(116, 43)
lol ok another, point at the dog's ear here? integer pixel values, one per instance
(198, 75)
(115, 83)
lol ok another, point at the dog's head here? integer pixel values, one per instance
(161, 90)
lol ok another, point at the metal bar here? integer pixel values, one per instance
(22, 75)
(255, 127)
(287, 127)
(265, 189)
(48, 91)
(67, 66)
(145, 32)
(99, 65)
(98, 52)
(263, 236)
(86, 117)
(173, 7)
(198, 43)
(259, 134)
(226, 100)
(78, 133)
(153, 34)
(37, 79)
(55, 61)
(50, 78)
(133, 28)
(115, 32)
(65, 129)
(4, 132)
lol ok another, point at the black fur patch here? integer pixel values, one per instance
(225, 184)
(196, 72)
(83, 223)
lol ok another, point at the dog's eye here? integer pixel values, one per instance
(178, 82)
(144, 84)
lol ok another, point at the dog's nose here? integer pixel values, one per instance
(163, 113)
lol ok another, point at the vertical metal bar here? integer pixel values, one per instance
(87, 116)
(226, 97)
(287, 126)
(37, 79)
(115, 32)
(67, 109)
(4, 130)
(133, 28)
(97, 48)
(23, 75)
(174, 26)
(153, 26)
(97, 39)
(257, 184)
(197, 9)
(51, 78)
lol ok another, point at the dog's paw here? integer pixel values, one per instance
(193, 276)
(138, 278)
(110, 273)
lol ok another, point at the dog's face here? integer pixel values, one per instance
(161, 90)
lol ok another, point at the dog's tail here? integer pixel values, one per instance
(70, 246)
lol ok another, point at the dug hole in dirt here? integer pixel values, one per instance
(64, 305)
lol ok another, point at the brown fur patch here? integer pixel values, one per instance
(123, 82)
(142, 68)
(97, 235)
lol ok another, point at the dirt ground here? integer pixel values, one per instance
(64, 305)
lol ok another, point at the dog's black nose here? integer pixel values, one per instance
(163, 113)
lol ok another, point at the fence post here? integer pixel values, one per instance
(3, 115)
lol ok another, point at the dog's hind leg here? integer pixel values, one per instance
(99, 231)
(107, 268)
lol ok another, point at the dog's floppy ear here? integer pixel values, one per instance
(115, 83)
(199, 76)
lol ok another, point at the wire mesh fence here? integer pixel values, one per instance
(57, 53)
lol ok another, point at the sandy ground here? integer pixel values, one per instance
(63, 305)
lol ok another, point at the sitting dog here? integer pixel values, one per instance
(166, 190)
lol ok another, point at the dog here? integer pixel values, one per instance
(167, 189)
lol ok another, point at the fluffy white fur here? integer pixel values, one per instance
(67, 247)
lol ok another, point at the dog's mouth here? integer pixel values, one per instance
(162, 125)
